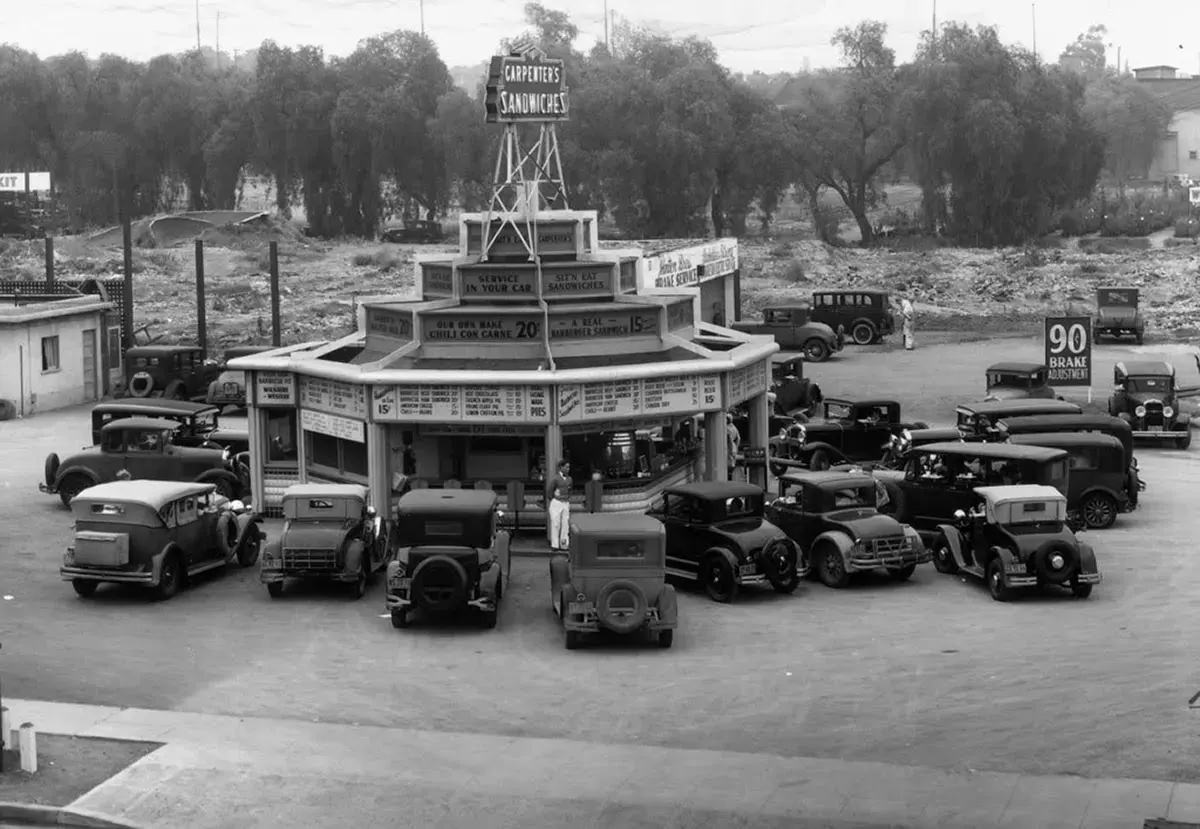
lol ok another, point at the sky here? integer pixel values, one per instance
(766, 35)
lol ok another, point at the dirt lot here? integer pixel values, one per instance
(964, 290)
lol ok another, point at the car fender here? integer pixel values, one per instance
(503, 555)
(76, 469)
(725, 553)
(355, 550)
(270, 558)
(954, 540)
(836, 455)
(245, 521)
(489, 576)
(1006, 557)
(213, 475)
(838, 539)
(156, 561)
(1087, 559)
(1119, 497)
(212, 392)
(668, 605)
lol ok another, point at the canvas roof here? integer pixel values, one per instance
(1019, 492)
(156, 494)
(320, 490)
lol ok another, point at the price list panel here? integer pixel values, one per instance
(603, 401)
(454, 404)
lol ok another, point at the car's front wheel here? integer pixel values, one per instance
(903, 573)
(943, 556)
(274, 589)
(831, 567)
(170, 577)
(666, 638)
(400, 618)
(716, 574)
(70, 486)
(815, 351)
(84, 588)
(863, 333)
(1185, 439)
(1080, 590)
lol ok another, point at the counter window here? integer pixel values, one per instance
(337, 457)
(281, 436)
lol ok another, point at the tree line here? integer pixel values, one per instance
(663, 139)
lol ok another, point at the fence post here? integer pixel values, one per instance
(127, 299)
(49, 264)
(201, 320)
(276, 338)
(28, 744)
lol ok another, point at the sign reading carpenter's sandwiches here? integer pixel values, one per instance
(526, 86)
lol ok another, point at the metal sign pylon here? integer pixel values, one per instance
(524, 183)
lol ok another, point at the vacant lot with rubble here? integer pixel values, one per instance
(967, 291)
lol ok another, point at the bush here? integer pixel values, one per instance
(827, 224)
(1079, 221)
(1187, 228)
(1176, 242)
(1114, 245)
(795, 272)
(782, 251)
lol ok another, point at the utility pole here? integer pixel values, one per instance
(218, 40)
(1033, 13)
(197, 25)
(933, 30)
(422, 6)
(607, 45)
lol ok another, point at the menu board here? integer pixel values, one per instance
(332, 425)
(593, 325)
(578, 280)
(449, 404)
(748, 381)
(334, 397)
(437, 280)
(474, 328)
(625, 398)
(395, 325)
(512, 282)
(274, 388)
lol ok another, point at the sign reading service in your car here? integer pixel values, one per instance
(1069, 351)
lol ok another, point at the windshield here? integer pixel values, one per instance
(1009, 381)
(743, 506)
(1148, 385)
(837, 411)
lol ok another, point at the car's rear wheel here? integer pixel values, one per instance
(51, 468)
(1185, 439)
(863, 333)
(1099, 511)
(170, 577)
(831, 567)
(779, 560)
(995, 580)
(666, 638)
(248, 553)
(1080, 590)
(943, 556)
(716, 574)
(489, 617)
(573, 639)
(777, 469)
(70, 486)
(84, 588)
(176, 391)
(815, 351)
(903, 573)
(400, 618)
(274, 589)
(360, 581)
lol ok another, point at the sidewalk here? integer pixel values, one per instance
(220, 771)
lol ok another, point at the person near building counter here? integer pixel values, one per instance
(718, 318)
(735, 441)
(559, 509)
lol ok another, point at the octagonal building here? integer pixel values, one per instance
(498, 365)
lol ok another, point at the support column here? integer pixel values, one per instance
(759, 436)
(554, 454)
(256, 426)
(379, 472)
(716, 447)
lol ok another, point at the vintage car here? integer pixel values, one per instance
(156, 533)
(196, 420)
(177, 372)
(415, 232)
(793, 330)
(1097, 488)
(938, 478)
(614, 578)
(1102, 424)
(895, 453)
(792, 393)
(1016, 536)
(330, 533)
(229, 389)
(451, 555)
(866, 315)
(851, 430)
(832, 516)
(1018, 381)
(1146, 397)
(145, 449)
(1117, 315)
(717, 535)
(977, 421)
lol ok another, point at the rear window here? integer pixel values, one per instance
(620, 548)
(319, 503)
(107, 509)
(415, 531)
(444, 528)
(1033, 506)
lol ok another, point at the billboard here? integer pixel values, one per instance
(526, 86)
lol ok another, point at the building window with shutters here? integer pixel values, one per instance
(50, 354)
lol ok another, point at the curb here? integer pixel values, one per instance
(58, 816)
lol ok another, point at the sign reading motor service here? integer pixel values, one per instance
(1069, 351)
(526, 86)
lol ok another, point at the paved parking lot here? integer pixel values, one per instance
(930, 672)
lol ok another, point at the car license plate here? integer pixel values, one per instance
(577, 608)
(404, 584)
(1015, 569)
(1155, 429)
(748, 569)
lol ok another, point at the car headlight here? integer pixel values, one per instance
(1140, 411)
(1168, 411)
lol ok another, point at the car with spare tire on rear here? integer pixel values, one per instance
(451, 555)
